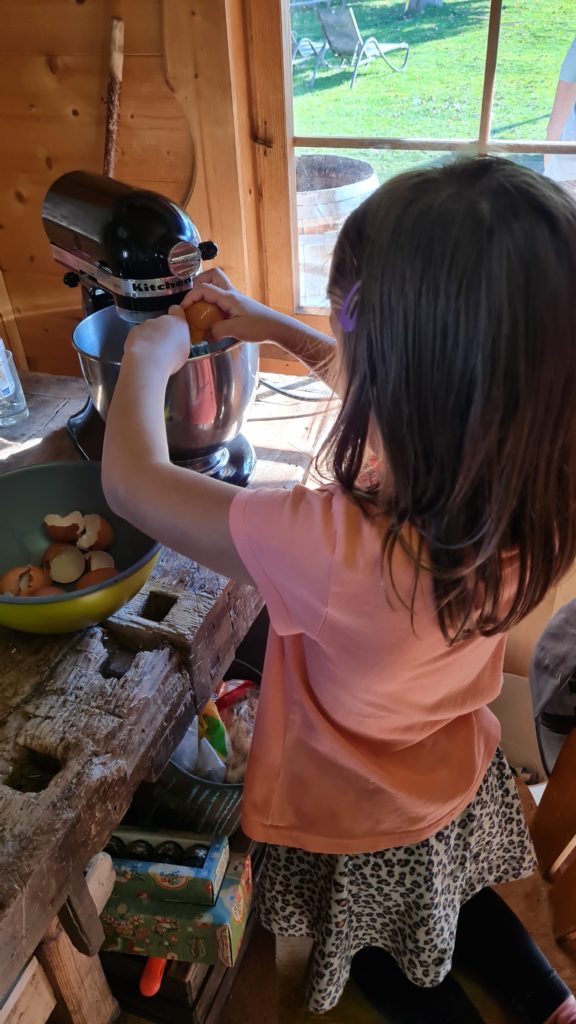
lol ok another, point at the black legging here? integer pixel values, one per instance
(493, 946)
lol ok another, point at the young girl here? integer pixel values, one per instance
(375, 775)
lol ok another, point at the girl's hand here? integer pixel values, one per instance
(246, 319)
(164, 341)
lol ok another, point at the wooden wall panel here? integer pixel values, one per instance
(267, 26)
(53, 77)
(197, 53)
(46, 313)
(191, 113)
(9, 332)
(241, 92)
(77, 26)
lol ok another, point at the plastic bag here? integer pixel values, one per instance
(196, 756)
(238, 703)
(209, 765)
(211, 727)
(186, 753)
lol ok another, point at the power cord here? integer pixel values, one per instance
(298, 386)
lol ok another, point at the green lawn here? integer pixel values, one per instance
(439, 93)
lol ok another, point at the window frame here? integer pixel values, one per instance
(275, 142)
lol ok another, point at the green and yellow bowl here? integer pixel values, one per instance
(29, 494)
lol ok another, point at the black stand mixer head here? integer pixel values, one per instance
(138, 246)
(135, 253)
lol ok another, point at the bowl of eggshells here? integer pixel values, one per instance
(67, 561)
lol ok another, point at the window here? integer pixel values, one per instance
(373, 87)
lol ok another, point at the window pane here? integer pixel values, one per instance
(329, 185)
(437, 95)
(534, 40)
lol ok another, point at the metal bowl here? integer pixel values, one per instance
(206, 401)
(60, 487)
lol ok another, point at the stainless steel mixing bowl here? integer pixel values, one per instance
(206, 401)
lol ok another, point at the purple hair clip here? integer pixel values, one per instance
(349, 312)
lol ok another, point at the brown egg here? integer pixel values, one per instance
(65, 563)
(23, 581)
(90, 579)
(201, 316)
(64, 528)
(48, 592)
(98, 534)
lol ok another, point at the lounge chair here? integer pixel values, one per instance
(304, 49)
(343, 38)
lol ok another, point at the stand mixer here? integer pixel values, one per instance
(135, 253)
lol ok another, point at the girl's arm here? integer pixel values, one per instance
(248, 320)
(187, 511)
(563, 105)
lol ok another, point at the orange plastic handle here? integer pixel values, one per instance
(151, 977)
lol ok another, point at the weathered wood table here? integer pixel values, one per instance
(85, 718)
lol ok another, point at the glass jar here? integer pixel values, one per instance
(13, 406)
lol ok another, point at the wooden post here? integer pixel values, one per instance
(490, 72)
(82, 992)
(8, 320)
(80, 987)
(31, 1001)
(113, 96)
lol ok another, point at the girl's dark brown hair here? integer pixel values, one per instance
(464, 358)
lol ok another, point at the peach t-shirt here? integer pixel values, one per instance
(370, 733)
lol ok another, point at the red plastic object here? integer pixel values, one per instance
(230, 698)
(151, 977)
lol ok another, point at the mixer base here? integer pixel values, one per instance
(233, 462)
(241, 462)
(86, 428)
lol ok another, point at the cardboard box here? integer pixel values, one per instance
(181, 931)
(146, 881)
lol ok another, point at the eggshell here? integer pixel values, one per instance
(67, 564)
(48, 592)
(23, 581)
(64, 528)
(98, 534)
(90, 579)
(52, 550)
(99, 560)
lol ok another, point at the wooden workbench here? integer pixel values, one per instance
(85, 718)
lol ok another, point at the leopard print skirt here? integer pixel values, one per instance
(405, 900)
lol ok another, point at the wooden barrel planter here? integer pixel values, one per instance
(328, 188)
